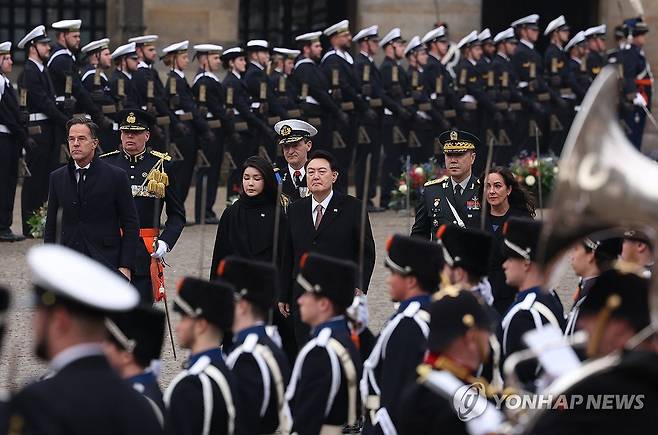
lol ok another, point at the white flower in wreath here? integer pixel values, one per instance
(530, 180)
(555, 170)
(419, 171)
(402, 188)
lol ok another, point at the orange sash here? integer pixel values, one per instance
(149, 237)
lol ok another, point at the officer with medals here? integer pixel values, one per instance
(596, 56)
(323, 392)
(70, 94)
(13, 139)
(369, 138)
(210, 97)
(458, 343)
(121, 82)
(638, 81)
(533, 307)
(295, 141)
(414, 266)
(43, 119)
(260, 366)
(80, 393)
(529, 67)
(203, 398)
(95, 81)
(150, 185)
(132, 347)
(453, 199)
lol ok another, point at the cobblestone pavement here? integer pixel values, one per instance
(191, 256)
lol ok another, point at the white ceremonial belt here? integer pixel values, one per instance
(4, 129)
(312, 100)
(38, 117)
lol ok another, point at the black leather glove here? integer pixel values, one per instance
(157, 132)
(561, 103)
(538, 108)
(556, 81)
(106, 122)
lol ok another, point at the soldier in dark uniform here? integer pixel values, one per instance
(479, 108)
(398, 113)
(454, 199)
(257, 362)
(616, 311)
(458, 344)
(556, 61)
(319, 108)
(13, 139)
(578, 77)
(421, 134)
(77, 291)
(151, 91)
(283, 63)
(245, 122)
(323, 392)
(296, 143)
(122, 87)
(596, 55)
(533, 307)
(4, 405)
(37, 102)
(529, 67)
(369, 138)
(338, 67)
(71, 96)
(638, 81)
(491, 127)
(439, 85)
(400, 347)
(211, 98)
(264, 105)
(150, 186)
(193, 127)
(204, 396)
(132, 345)
(508, 93)
(96, 83)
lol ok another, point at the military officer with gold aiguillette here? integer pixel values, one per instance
(151, 187)
(455, 198)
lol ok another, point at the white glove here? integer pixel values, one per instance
(358, 312)
(639, 100)
(161, 250)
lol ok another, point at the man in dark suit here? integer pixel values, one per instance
(151, 189)
(323, 392)
(295, 141)
(454, 199)
(73, 294)
(44, 119)
(134, 340)
(204, 394)
(98, 215)
(327, 222)
(260, 366)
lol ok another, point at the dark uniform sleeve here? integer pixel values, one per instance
(316, 91)
(32, 411)
(520, 324)
(175, 218)
(9, 116)
(422, 226)
(188, 104)
(368, 256)
(423, 412)
(185, 412)
(129, 222)
(311, 393)
(38, 99)
(250, 389)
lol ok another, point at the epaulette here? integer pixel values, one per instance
(437, 181)
(111, 153)
(162, 156)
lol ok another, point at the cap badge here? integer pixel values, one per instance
(130, 119)
(285, 130)
(453, 135)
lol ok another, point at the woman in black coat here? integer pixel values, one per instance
(505, 197)
(246, 228)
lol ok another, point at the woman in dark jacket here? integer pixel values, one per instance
(246, 228)
(505, 197)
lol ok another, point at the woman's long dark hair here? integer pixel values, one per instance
(267, 171)
(519, 198)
